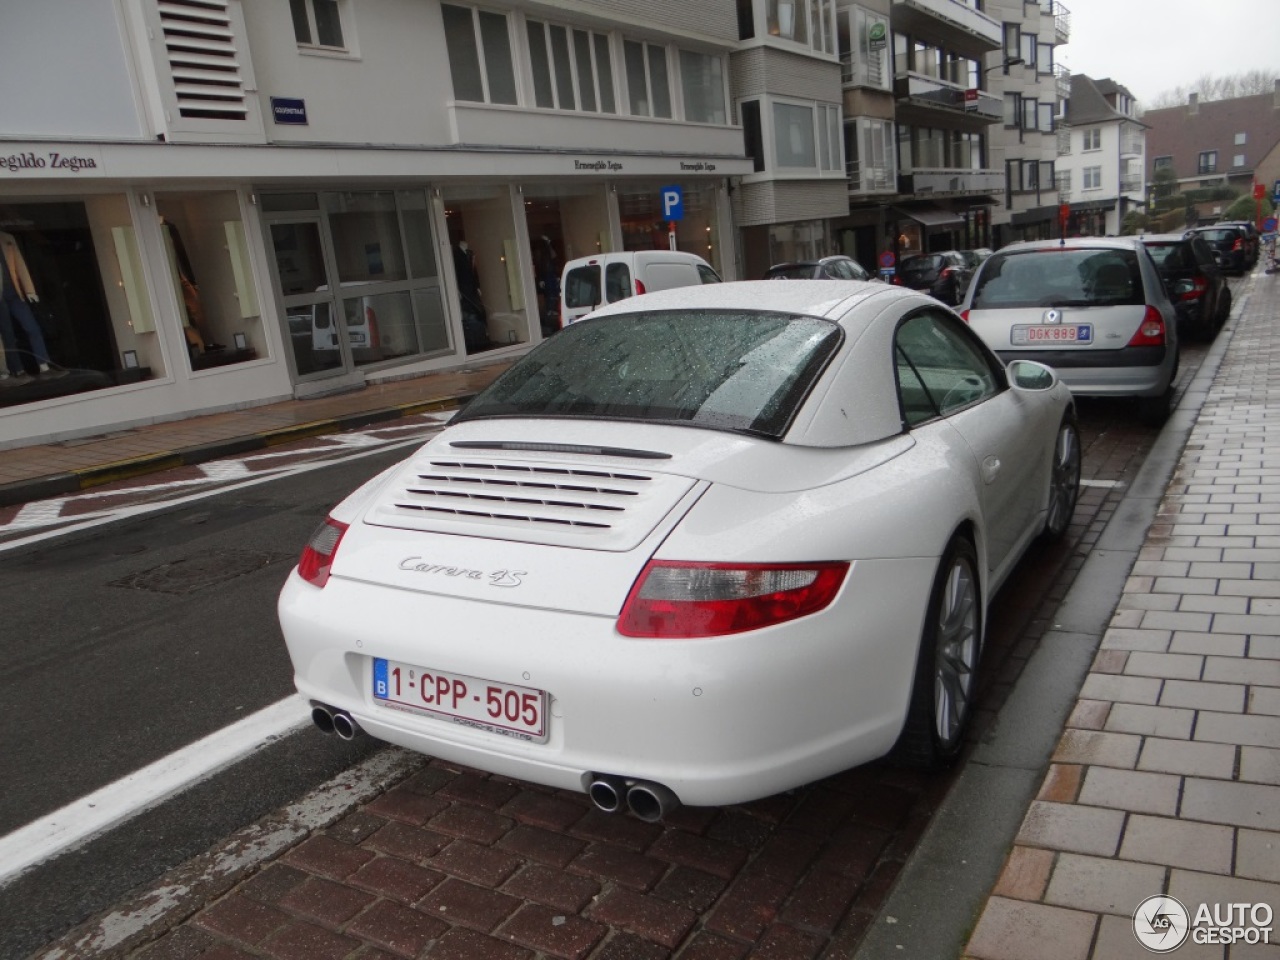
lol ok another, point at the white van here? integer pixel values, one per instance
(590, 282)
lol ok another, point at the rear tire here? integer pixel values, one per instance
(1064, 481)
(946, 666)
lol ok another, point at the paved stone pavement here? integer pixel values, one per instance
(1166, 779)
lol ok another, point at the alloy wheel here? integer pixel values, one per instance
(956, 652)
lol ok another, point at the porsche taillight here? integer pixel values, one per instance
(675, 600)
(318, 554)
(1151, 333)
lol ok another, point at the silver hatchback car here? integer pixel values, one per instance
(1093, 309)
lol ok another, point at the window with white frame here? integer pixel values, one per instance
(1093, 138)
(1238, 160)
(572, 69)
(829, 139)
(804, 137)
(794, 144)
(871, 155)
(808, 22)
(702, 84)
(1092, 178)
(648, 79)
(317, 23)
(480, 63)
(1241, 139)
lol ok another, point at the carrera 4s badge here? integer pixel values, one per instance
(496, 578)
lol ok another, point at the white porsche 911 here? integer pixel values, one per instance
(704, 546)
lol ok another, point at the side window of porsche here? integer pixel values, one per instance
(939, 369)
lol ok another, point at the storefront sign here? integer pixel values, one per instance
(289, 110)
(34, 163)
(877, 35)
(594, 166)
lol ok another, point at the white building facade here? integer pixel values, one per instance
(1102, 157)
(222, 204)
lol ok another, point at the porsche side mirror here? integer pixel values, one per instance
(1030, 375)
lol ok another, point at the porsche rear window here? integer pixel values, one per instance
(730, 370)
(1060, 277)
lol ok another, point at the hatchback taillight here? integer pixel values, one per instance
(318, 554)
(673, 600)
(946, 272)
(1199, 285)
(639, 286)
(1152, 332)
(1238, 245)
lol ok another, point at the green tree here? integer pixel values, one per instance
(1245, 207)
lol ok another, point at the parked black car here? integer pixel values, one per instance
(1230, 245)
(825, 268)
(1194, 280)
(944, 275)
(1251, 235)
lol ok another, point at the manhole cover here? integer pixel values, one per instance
(195, 573)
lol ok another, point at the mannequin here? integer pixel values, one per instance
(17, 293)
(475, 328)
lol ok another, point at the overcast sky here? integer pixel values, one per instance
(1152, 46)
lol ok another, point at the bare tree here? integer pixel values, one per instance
(1208, 87)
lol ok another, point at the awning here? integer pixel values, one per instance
(1093, 206)
(930, 216)
(1026, 218)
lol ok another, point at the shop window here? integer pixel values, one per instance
(648, 79)
(487, 266)
(640, 210)
(572, 69)
(480, 61)
(564, 222)
(80, 315)
(317, 23)
(702, 82)
(359, 278)
(208, 260)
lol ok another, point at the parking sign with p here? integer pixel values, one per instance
(672, 203)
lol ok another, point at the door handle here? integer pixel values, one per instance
(990, 468)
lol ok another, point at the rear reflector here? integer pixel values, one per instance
(1151, 333)
(317, 556)
(673, 600)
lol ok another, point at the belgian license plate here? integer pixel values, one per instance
(501, 708)
(1053, 333)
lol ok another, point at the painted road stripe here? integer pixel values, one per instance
(1105, 484)
(143, 789)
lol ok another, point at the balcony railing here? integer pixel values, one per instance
(1061, 82)
(871, 178)
(950, 182)
(1064, 141)
(1061, 19)
(929, 92)
(1131, 183)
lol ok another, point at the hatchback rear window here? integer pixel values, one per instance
(739, 371)
(582, 287)
(917, 268)
(1059, 277)
(1168, 256)
(1218, 236)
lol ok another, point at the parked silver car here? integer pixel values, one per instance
(1094, 309)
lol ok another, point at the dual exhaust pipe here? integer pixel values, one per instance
(332, 720)
(648, 801)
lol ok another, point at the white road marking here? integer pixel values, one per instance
(143, 789)
(1105, 484)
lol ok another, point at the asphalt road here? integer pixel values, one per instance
(138, 638)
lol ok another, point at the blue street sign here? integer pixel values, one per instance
(672, 202)
(289, 110)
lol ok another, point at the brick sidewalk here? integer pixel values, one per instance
(1167, 777)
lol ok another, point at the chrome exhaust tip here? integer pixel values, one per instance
(607, 792)
(651, 802)
(345, 726)
(322, 717)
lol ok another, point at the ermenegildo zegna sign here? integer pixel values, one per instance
(30, 162)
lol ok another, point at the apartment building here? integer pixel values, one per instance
(1230, 143)
(1101, 157)
(1033, 85)
(223, 203)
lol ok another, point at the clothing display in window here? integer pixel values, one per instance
(17, 293)
(185, 279)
